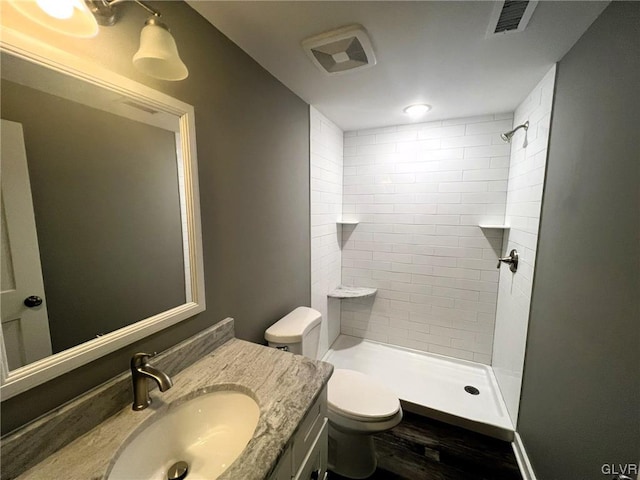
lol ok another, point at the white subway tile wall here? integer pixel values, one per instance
(419, 192)
(524, 198)
(326, 208)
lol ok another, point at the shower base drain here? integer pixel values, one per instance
(472, 390)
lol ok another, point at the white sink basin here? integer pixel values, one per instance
(207, 432)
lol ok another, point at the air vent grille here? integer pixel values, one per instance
(511, 16)
(340, 56)
(340, 51)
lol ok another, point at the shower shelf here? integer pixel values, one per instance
(343, 291)
(496, 227)
(347, 222)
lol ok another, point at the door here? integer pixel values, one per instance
(25, 330)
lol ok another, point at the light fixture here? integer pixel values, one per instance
(417, 111)
(70, 17)
(158, 54)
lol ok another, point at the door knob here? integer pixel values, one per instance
(32, 301)
(512, 260)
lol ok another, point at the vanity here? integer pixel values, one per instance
(289, 441)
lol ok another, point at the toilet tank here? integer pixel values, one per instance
(298, 331)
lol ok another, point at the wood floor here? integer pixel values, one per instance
(424, 449)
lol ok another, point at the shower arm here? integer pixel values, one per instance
(507, 136)
(525, 125)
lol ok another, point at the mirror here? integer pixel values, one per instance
(100, 223)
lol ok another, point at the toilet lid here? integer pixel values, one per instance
(359, 396)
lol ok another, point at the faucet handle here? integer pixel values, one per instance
(512, 260)
(147, 355)
(141, 358)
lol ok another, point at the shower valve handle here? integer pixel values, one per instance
(512, 260)
(504, 260)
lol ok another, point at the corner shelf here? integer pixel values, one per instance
(495, 227)
(343, 291)
(347, 222)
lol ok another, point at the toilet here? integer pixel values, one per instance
(358, 405)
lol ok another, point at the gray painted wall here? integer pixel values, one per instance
(107, 214)
(580, 405)
(253, 159)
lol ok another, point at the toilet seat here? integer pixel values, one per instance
(359, 397)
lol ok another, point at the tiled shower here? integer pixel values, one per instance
(419, 192)
(436, 205)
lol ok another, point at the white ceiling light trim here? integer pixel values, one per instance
(417, 111)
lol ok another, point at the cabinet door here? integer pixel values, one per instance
(314, 466)
(308, 431)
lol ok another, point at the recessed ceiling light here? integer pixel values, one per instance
(416, 111)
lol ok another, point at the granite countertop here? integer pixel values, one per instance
(284, 386)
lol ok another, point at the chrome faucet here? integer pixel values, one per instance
(140, 372)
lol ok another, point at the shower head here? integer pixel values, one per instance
(507, 136)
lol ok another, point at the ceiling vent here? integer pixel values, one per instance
(510, 16)
(340, 51)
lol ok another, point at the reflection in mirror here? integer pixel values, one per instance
(94, 221)
(105, 198)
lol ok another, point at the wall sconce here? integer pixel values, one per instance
(70, 17)
(158, 54)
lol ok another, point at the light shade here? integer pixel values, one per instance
(418, 110)
(158, 54)
(70, 17)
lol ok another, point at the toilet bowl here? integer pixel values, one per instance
(358, 408)
(358, 405)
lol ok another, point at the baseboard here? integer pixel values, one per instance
(521, 457)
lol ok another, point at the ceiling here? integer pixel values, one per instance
(432, 52)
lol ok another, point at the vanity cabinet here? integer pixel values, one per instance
(305, 457)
